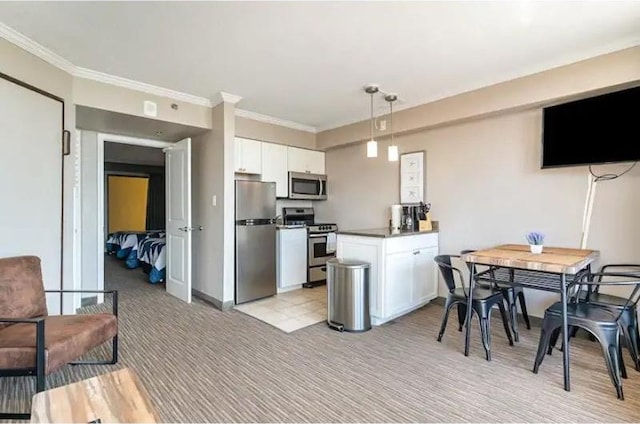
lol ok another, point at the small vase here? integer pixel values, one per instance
(536, 248)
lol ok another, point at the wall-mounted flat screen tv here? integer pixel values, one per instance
(596, 130)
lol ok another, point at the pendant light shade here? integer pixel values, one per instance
(392, 151)
(372, 149)
(372, 144)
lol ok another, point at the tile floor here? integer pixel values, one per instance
(292, 310)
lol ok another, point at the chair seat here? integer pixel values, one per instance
(479, 294)
(604, 299)
(584, 311)
(66, 339)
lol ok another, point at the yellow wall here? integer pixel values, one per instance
(127, 203)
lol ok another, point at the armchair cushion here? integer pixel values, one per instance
(21, 289)
(66, 339)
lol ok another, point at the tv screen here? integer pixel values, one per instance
(601, 129)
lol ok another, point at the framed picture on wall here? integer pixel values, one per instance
(412, 177)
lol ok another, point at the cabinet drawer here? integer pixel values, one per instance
(410, 243)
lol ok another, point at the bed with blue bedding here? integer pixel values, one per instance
(146, 249)
(152, 256)
(121, 243)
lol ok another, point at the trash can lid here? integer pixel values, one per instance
(347, 263)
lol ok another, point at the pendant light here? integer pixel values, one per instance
(372, 144)
(392, 151)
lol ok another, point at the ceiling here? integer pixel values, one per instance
(308, 61)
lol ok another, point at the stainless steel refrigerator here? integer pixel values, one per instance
(255, 240)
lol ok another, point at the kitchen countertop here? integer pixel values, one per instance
(386, 232)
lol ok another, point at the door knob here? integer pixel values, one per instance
(185, 229)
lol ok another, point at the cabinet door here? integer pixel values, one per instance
(274, 167)
(297, 159)
(252, 156)
(399, 276)
(425, 283)
(238, 155)
(315, 161)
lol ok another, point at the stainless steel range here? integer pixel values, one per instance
(321, 243)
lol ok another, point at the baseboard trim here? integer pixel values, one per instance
(218, 304)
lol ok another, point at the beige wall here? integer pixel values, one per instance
(600, 73)
(212, 175)
(23, 66)
(123, 100)
(256, 130)
(485, 184)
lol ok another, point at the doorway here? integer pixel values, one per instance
(170, 257)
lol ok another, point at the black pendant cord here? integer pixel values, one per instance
(609, 177)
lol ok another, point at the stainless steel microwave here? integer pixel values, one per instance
(305, 186)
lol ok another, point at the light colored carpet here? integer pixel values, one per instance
(292, 310)
(200, 364)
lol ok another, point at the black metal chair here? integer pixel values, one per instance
(616, 304)
(483, 301)
(602, 323)
(511, 294)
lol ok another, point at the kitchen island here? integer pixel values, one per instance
(403, 275)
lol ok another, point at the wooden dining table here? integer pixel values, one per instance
(552, 270)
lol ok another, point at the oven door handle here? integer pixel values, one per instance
(317, 235)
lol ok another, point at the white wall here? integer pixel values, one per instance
(22, 65)
(486, 187)
(89, 222)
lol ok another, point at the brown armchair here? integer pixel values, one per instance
(34, 343)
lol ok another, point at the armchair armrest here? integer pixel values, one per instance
(21, 320)
(40, 345)
(114, 293)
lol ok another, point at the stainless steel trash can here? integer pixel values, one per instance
(348, 295)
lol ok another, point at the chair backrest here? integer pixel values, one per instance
(595, 280)
(447, 270)
(21, 288)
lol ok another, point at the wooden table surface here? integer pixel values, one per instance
(116, 397)
(552, 259)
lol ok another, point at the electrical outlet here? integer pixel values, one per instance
(214, 200)
(383, 125)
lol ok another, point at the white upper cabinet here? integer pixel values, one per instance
(304, 160)
(248, 156)
(274, 167)
(315, 161)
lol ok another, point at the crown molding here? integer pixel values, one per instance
(222, 96)
(275, 121)
(58, 61)
(140, 86)
(36, 49)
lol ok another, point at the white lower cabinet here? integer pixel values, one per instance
(403, 275)
(291, 258)
(398, 290)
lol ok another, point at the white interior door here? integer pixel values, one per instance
(178, 188)
(31, 180)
